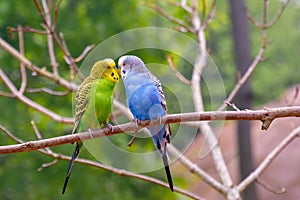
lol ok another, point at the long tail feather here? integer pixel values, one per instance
(74, 156)
(167, 169)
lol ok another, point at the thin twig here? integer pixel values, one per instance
(48, 27)
(70, 60)
(49, 164)
(294, 98)
(36, 130)
(168, 16)
(84, 53)
(120, 172)
(10, 134)
(38, 134)
(182, 4)
(61, 44)
(27, 29)
(177, 73)
(258, 57)
(59, 80)
(198, 171)
(245, 77)
(6, 94)
(272, 21)
(33, 104)
(22, 66)
(232, 105)
(210, 16)
(48, 91)
(268, 188)
(56, 15)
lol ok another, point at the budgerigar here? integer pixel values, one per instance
(146, 100)
(94, 98)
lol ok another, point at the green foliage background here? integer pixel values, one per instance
(93, 21)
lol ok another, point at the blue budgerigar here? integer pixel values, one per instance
(146, 100)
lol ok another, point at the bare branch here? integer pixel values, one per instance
(268, 160)
(84, 53)
(253, 65)
(268, 188)
(177, 73)
(69, 59)
(48, 91)
(10, 135)
(51, 51)
(61, 44)
(6, 94)
(105, 167)
(293, 100)
(232, 105)
(273, 113)
(244, 78)
(266, 25)
(101, 166)
(168, 16)
(122, 172)
(200, 63)
(41, 71)
(261, 52)
(49, 164)
(195, 169)
(27, 29)
(33, 104)
(22, 66)
(279, 13)
(56, 14)
(38, 134)
(210, 16)
(182, 4)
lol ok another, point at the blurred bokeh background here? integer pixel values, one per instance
(91, 22)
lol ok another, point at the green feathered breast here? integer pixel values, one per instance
(99, 105)
(93, 103)
(94, 97)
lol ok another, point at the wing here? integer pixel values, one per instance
(160, 90)
(167, 133)
(82, 101)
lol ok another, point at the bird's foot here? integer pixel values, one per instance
(137, 121)
(160, 121)
(91, 133)
(108, 125)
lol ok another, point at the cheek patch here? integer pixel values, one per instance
(123, 72)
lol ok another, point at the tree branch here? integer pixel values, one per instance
(196, 170)
(168, 119)
(101, 166)
(51, 52)
(200, 63)
(41, 71)
(22, 66)
(268, 160)
(33, 104)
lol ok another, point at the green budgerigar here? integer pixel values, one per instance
(93, 99)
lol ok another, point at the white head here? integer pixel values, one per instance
(131, 63)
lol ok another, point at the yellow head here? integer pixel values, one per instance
(105, 69)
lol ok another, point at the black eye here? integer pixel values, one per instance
(123, 71)
(108, 67)
(112, 74)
